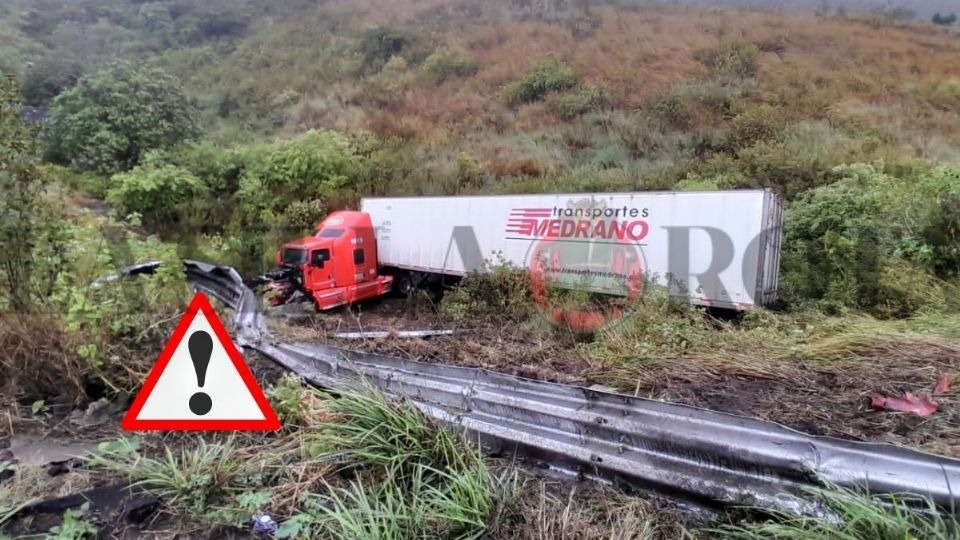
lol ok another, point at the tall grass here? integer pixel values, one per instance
(420, 480)
(855, 515)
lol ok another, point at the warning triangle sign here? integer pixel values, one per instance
(200, 382)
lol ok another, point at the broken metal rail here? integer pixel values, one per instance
(699, 455)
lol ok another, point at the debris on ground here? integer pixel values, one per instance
(394, 334)
(922, 405)
(264, 524)
(96, 413)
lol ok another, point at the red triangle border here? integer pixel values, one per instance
(270, 422)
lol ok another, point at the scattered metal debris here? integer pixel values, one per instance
(394, 333)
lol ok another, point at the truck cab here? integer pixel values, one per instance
(338, 264)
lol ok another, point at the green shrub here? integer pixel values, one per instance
(756, 124)
(545, 77)
(639, 134)
(446, 63)
(112, 118)
(23, 207)
(377, 45)
(941, 232)
(674, 110)
(843, 245)
(157, 192)
(730, 60)
(569, 106)
(501, 290)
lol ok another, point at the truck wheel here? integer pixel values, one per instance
(405, 285)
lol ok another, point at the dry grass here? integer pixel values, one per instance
(810, 66)
(39, 359)
(545, 510)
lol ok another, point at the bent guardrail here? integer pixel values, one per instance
(674, 449)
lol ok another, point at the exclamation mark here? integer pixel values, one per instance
(200, 347)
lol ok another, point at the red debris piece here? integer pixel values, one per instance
(923, 405)
(943, 386)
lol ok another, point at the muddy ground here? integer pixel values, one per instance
(814, 396)
(46, 468)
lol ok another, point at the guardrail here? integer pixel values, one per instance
(700, 455)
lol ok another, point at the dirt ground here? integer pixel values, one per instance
(821, 398)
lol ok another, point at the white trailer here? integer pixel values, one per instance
(716, 248)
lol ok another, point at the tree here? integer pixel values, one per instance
(112, 118)
(48, 78)
(21, 189)
(944, 20)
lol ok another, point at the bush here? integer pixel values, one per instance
(756, 124)
(111, 119)
(730, 60)
(941, 234)
(496, 291)
(569, 106)
(944, 20)
(843, 245)
(22, 206)
(157, 192)
(377, 45)
(545, 77)
(287, 184)
(446, 63)
(88, 341)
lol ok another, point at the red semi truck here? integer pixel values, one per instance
(714, 248)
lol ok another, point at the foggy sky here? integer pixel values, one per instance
(923, 8)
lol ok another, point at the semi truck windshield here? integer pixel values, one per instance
(294, 256)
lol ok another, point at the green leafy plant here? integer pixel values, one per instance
(545, 77)
(842, 241)
(498, 289)
(193, 478)
(72, 528)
